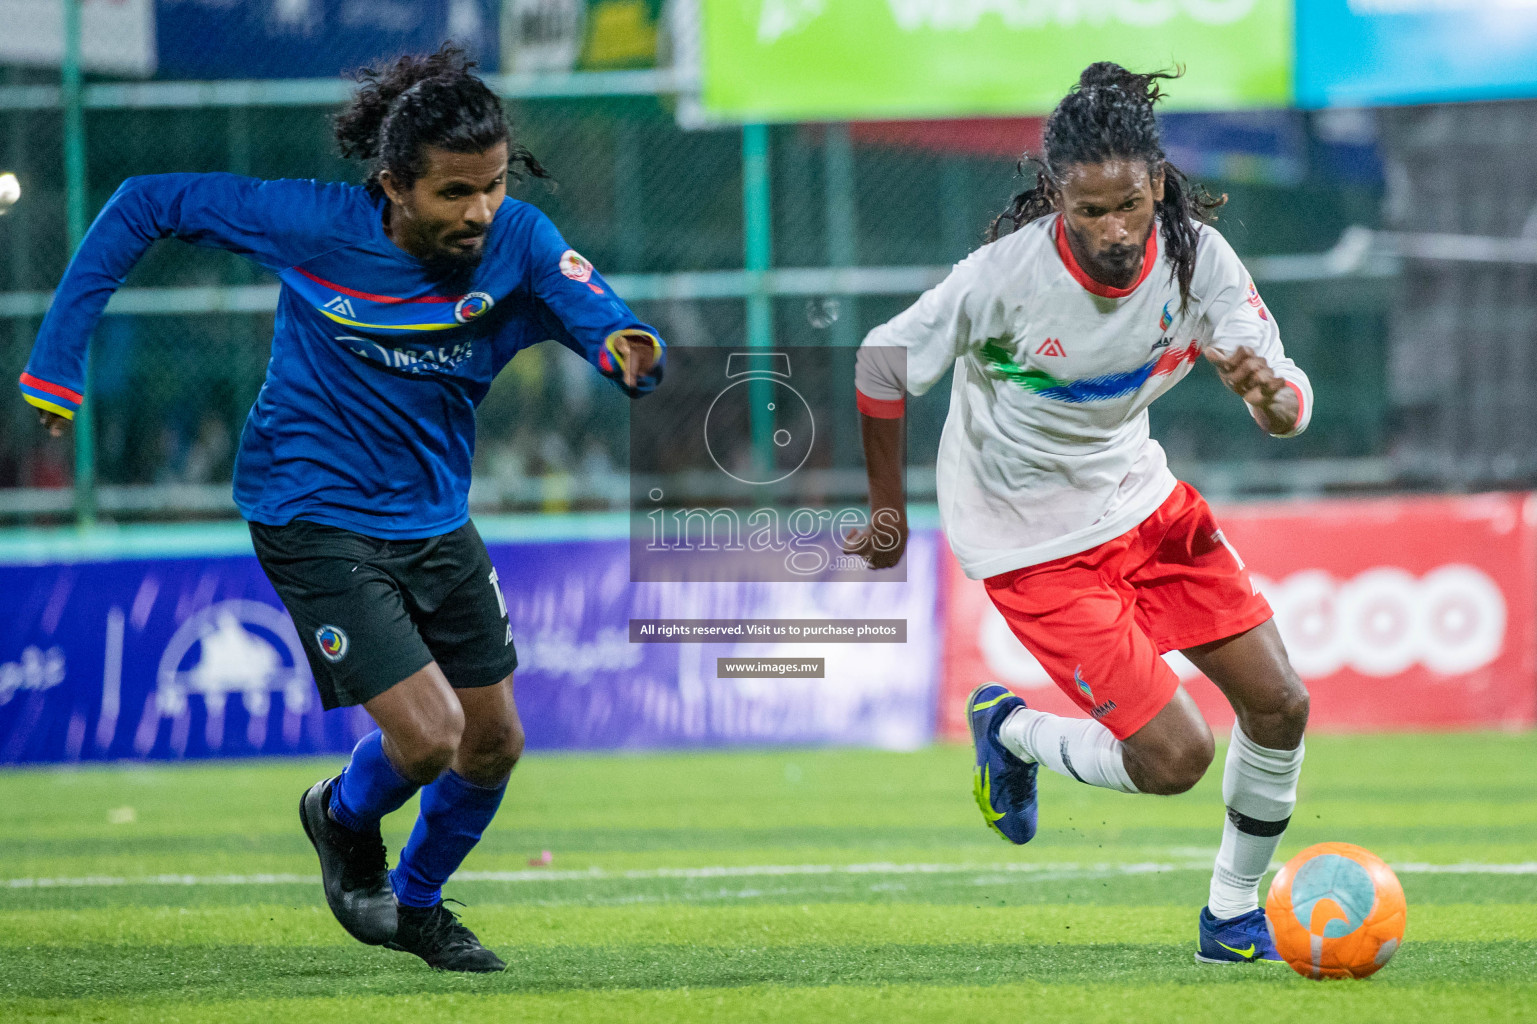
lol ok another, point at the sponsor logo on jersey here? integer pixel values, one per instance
(333, 643)
(575, 266)
(342, 305)
(1051, 347)
(1167, 317)
(1101, 710)
(473, 306)
(442, 359)
(1082, 683)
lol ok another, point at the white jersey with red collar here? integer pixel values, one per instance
(1046, 450)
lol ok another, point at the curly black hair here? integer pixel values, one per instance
(1109, 115)
(409, 103)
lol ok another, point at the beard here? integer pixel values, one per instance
(1121, 257)
(447, 263)
(1118, 261)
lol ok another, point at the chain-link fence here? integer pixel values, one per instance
(861, 222)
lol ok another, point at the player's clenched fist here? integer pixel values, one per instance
(1273, 404)
(52, 422)
(881, 543)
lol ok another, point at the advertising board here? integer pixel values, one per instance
(1357, 53)
(1398, 613)
(781, 60)
(191, 657)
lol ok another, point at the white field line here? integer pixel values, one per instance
(744, 871)
(1415, 868)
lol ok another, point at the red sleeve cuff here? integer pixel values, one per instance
(881, 409)
(1301, 404)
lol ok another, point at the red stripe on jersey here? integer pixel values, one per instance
(53, 389)
(880, 408)
(1172, 359)
(1149, 257)
(389, 299)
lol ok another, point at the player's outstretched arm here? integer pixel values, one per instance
(908, 355)
(1245, 342)
(595, 323)
(882, 542)
(275, 223)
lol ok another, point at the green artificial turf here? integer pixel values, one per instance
(782, 886)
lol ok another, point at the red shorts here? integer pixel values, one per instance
(1099, 620)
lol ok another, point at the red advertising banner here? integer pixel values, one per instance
(1399, 613)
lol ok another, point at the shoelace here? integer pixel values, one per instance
(442, 929)
(1018, 785)
(366, 859)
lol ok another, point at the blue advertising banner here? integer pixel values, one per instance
(1356, 53)
(204, 39)
(194, 657)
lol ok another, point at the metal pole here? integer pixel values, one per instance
(758, 233)
(841, 215)
(74, 209)
(842, 223)
(757, 230)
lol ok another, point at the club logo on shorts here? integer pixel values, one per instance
(333, 643)
(473, 306)
(575, 266)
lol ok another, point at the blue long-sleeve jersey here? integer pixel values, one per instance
(366, 420)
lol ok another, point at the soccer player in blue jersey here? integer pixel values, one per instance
(400, 302)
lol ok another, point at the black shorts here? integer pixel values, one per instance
(371, 612)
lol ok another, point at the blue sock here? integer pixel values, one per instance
(454, 813)
(369, 788)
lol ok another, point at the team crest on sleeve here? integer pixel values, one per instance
(575, 266)
(473, 306)
(333, 643)
(1256, 301)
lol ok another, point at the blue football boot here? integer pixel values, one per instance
(1244, 939)
(1003, 784)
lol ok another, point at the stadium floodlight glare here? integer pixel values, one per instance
(10, 191)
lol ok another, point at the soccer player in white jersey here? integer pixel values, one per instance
(1051, 491)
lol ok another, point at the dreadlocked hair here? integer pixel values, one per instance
(404, 105)
(1109, 115)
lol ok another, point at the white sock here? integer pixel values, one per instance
(1076, 747)
(1259, 786)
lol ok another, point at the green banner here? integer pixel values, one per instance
(784, 60)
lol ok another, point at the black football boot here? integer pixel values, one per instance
(435, 934)
(352, 869)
